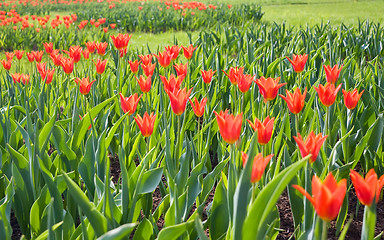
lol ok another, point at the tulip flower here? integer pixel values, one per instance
(164, 59)
(369, 188)
(146, 123)
(233, 74)
(31, 57)
(100, 65)
(129, 104)
(84, 85)
(148, 69)
(295, 101)
(86, 54)
(188, 51)
(38, 55)
(207, 75)
(19, 54)
(146, 59)
(328, 196)
(144, 83)
(351, 98)
(244, 82)
(67, 64)
(198, 108)
(134, 65)
(264, 129)
(181, 69)
(101, 47)
(174, 51)
(178, 99)
(41, 67)
(47, 75)
(258, 166)
(229, 126)
(6, 64)
(332, 74)
(121, 40)
(91, 46)
(172, 83)
(327, 93)
(9, 55)
(123, 52)
(25, 78)
(48, 47)
(16, 77)
(311, 145)
(75, 53)
(269, 87)
(56, 58)
(298, 62)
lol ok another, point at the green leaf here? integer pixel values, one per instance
(175, 231)
(111, 132)
(119, 233)
(144, 231)
(150, 180)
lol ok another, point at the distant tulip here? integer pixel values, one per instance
(328, 196)
(351, 98)
(311, 145)
(91, 46)
(332, 74)
(146, 123)
(19, 54)
(146, 59)
(100, 65)
(295, 101)
(269, 87)
(144, 83)
(298, 62)
(6, 64)
(75, 53)
(171, 83)
(121, 40)
(31, 57)
(134, 65)
(233, 74)
(9, 55)
(47, 75)
(48, 47)
(84, 85)
(148, 69)
(129, 104)
(16, 77)
(86, 54)
(188, 51)
(264, 129)
(327, 93)
(229, 126)
(56, 58)
(178, 99)
(174, 51)
(164, 58)
(38, 55)
(67, 64)
(181, 69)
(369, 188)
(25, 78)
(258, 166)
(198, 108)
(207, 75)
(101, 47)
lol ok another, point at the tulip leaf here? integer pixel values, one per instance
(119, 233)
(175, 231)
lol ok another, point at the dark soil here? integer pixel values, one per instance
(16, 234)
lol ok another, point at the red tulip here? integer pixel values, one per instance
(269, 87)
(146, 123)
(9, 55)
(146, 59)
(67, 64)
(47, 75)
(295, 101)
(91, 46)
(179, 98)
(129, 104)
(101, 47)
(148, 69)
(351, 98)
(244, 82)
(369, 188)
(258, 166)
(198, 108)
(164, 59)
(298, 62)
(25, 78)
(16, 77)
(41, 67)
(86, 54)
(19, 54)
(327, 93)
(121, 40)
(233, 74)
(75, 53)
(229, 126)
(181, 70)
(84, 85)
(6, 64)
(56, 58)
(172, 83)
(105, 29)
(332, 74)
(328, 196)
(174, 51)
(48, 47)
(123, 52)
(134, 65)
(264, 129)
(188, 51)
(311, 145)
(100, 65)
(144, 83)
(207, 75)
(112, 25)
(31, 57)
(38, 55)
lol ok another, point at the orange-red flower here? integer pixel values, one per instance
(311, 145)
(198, 108)
(244, 82)
(19, 54)
(101, 47)
(172, 83)
(188, 51)
(6, 64)
(146, 59)
(351, 98)
(16, 77)
(100, 65)
(148, 69)
(48, 47)
(123, 52)
(84, 85)
(327, 197)
(47, 75)
(91, 46)
(38, 55)
(75, 53)
(134, 65)
(56, 58)
(332, 74)
(31, 57)
(258, 166)
(233, 74)
(178, 99)
(25, 78)
(164, 58)
(369, 188)
(229, 126)
(174, 51)
(269, 87)
(146, 123)
(144, 83)
(181, 70)
(207, 75)
(41, 66)
(298, 62)
(327, 93)
(129, 104)
(67, 64)
(264, 129)
(121, 40)
(295, 101)
(9, 55)
(86, 53)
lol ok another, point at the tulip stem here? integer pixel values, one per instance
(326, 127)
(324, 233)
(307, 205)
(297, 124)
